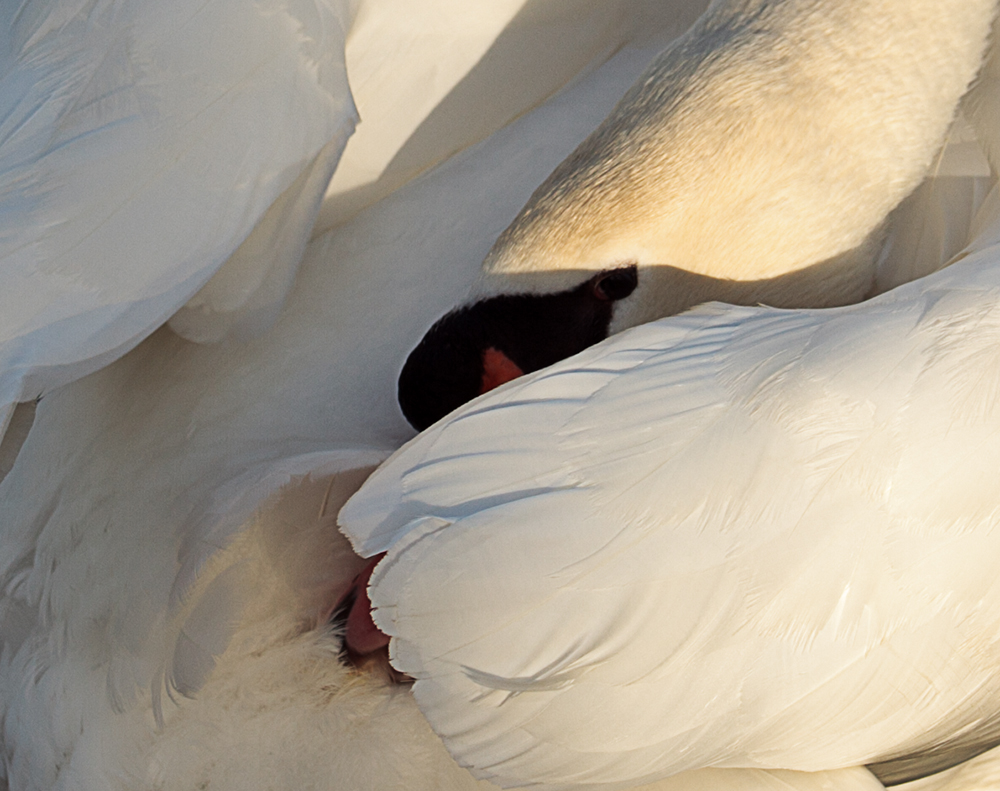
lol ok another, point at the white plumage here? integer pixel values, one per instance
(756, 159)
(141, 143)
(741, 537)
(131, 562)
(737, 538)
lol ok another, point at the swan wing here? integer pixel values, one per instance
(738, 537)
(140, 144)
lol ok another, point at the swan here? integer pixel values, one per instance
(168, 554)
(754, 161)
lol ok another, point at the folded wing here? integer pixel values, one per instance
(736, 538)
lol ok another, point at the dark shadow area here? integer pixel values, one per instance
(13, 439)
(938, 758)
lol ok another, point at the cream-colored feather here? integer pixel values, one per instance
(755, 160)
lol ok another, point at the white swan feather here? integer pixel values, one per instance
(129, 558)
(755, 160)
(740, 537)
(140, 143)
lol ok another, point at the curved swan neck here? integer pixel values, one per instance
(774, 135)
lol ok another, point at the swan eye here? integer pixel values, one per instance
(615, 284)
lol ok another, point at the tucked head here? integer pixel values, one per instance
(755, 161)
(476, 348)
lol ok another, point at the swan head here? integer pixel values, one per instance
(477, 348)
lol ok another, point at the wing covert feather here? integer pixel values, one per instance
(677, 548)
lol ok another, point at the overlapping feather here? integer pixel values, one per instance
(140, 144)
(739, 537)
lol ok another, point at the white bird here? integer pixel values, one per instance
(146, 547)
